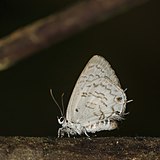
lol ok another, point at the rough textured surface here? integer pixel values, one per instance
(110, 148)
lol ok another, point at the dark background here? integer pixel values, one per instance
(129, 41)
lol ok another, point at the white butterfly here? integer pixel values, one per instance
(97, 101)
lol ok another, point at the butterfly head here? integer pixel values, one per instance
(61, 120)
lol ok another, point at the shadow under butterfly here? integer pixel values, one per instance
(97, 101)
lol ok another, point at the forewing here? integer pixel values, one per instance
(96, 69)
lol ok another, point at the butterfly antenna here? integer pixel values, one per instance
(62, 102)
(56, 102)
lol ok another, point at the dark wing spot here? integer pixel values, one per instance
(119, 99)
(117, 112)
(76, 110)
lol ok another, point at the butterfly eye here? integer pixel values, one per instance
(61, 120)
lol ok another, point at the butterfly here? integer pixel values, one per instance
(97, 101)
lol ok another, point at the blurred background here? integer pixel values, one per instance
(129, 41)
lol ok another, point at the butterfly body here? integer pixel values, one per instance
(97, 101)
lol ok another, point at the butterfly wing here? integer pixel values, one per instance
(95, 92)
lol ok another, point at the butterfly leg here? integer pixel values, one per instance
(68, 134)
(60, 132)
(85, 132)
